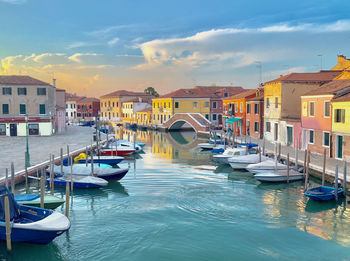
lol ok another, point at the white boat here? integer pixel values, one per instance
(241, 162)
(79, 181)
(279, 176)
(266, 166)
(229, 153)
(206, 146)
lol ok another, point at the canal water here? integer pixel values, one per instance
(176, 204)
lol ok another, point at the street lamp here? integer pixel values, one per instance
(27, 144)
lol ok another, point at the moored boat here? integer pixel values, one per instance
(83, 182)
(266, 166)
(279, 176)
(119, 151)
(31, 224)
(323, 193)
(241, 162)
(113, 160)
(33, 200)
(228, 153)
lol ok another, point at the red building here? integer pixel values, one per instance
(255, 115)
(88, 108)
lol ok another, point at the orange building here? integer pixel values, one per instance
(235, 111)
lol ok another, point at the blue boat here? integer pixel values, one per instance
(86, 123)
(31, 224)
(323, 193)
(250, 145)
(80, 182)
(112, 160)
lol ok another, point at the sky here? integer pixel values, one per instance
(96, 47)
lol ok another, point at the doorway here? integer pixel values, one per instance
(339, 147)
(13, 129)
(276, 131)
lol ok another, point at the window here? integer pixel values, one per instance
(256, 108)
(214, 105)
(267, 103)
(311, 136)
(225, 94)
(6, 91)
(164, 105)
(241, 107)
(74, 105)
(90, 106)
(195, 105)
(33, 129)
(71, 114)
(41, 91)
(41, 108)
(268, 126)
(5, 109)
(78, 114)
(176, 105)
(2, 129)
(90, 114)
(276, 102)
(327, 109)
(154, 117)
(71, 105)
(22, 109)
(339, 116)
(207, 116)
(206, 104)
(326, 139)
(311, 109)
(22, 91)
(248, 108)
(236, 107)
(214, 117)
(256, 126)
(78, 106)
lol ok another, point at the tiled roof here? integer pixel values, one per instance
(204, 92)
(75, 99)
(20, 80)
(242, 95)
(260, 97)
(321, 76)
(345, 97)
(124, 93)
(89, 99)
(60, 90)
(146, 110)
(330, 88)
(141, 99)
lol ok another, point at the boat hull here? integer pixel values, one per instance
(50, 202)
(238, 165)
(112, 161)
(323, 193)
(270, 178)
(113, 152)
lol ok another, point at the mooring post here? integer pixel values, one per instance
(307, 170)
(68, 153)
(305, 158)
(135, 142)
(336, 182)
(287, 167)
(52, 174)
(71, 174)
(42, 188)
(259, 154)
(12, 178)
(7, 178)
(344, 178)
(92, 165)
(324, 166)
(8, 224)
(214, 139)
(61, 161)
(26, 170)
(263, 152)
(296, 154)
(67, 199)
(50, 171)
(275, 156)
(86, 156)
(279, 151)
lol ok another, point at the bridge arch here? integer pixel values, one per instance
(195, 120)
(178, 124)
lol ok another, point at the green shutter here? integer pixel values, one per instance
(5, 109)
(22, 109)
(42, 108)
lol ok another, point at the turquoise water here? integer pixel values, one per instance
(176, 204)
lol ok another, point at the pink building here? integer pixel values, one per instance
(60, 120)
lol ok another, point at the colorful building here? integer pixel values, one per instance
(255, 114)
(88, 109)
(144, 117)
(71, 108)
(112, 104)
(235, 112)
(60, 116)
(282, 104)
(130, 108)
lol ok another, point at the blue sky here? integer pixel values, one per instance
(95, 47)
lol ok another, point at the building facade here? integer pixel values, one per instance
(282, 102)
(71, 108)
(60, 120)
(25, 99)
(144, 117)
(255, 115)
(112, 104)
(130, 108)
(88, 109)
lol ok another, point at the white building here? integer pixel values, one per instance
(129, 108)
(71, 108)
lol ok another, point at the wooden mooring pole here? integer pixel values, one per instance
(67, 199)
(324, 166)
(26, 170)
(336, 182)
(7, 178)
(344, 178)
(12, 178)
(307, 170)
(52, 185)
(71, 174)
(8, 224)
(296, 154)
(42, 188)
(61, 161)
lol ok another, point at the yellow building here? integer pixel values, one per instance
(111, 105)
(180, 101)
(144, 117)
(342, 64)
(341, 126)
(130, 108)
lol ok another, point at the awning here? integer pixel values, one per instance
(232, 120)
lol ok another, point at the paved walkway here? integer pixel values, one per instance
(13, 148)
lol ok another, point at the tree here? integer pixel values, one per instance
(151, 91)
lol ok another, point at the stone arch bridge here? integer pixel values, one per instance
(196, 120)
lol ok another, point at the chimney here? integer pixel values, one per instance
(54, 83)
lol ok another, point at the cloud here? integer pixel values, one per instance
(78, 57)
(113, 42)
(234, 47)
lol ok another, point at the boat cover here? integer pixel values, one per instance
(26, 197)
